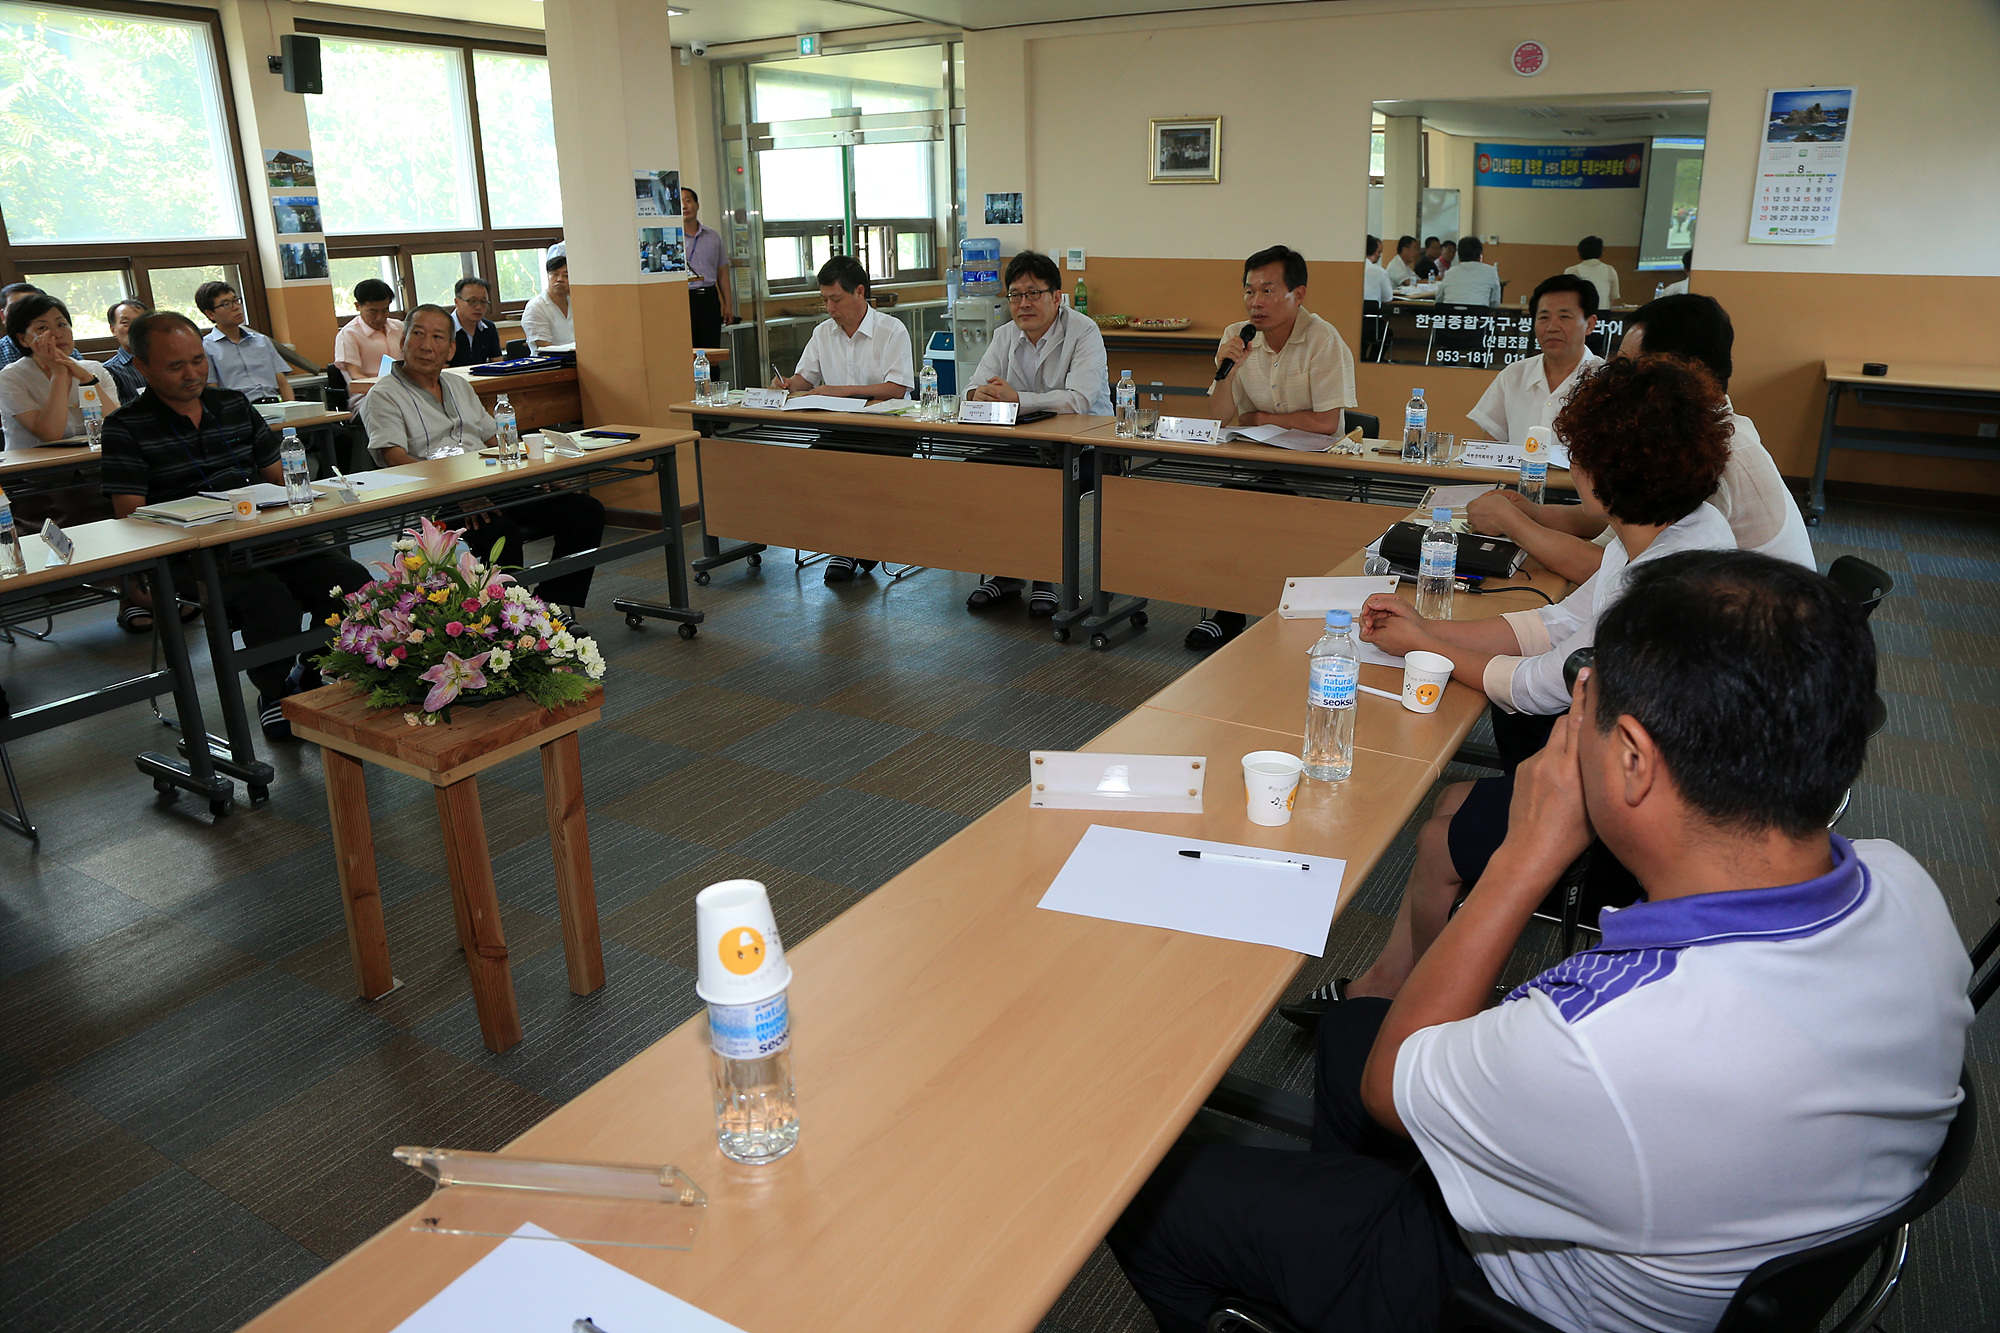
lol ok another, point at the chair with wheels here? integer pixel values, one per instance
(1371, 426)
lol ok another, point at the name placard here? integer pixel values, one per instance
(988, 414)
(61, 548)
(1191, 430)
(770, 398)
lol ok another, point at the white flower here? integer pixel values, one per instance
(403, 544)
(334, 591)
(586, 649)
(563, 644)
(416, 636)
(412, 720)
(594, 670)
(498, 659)
(430, 719)
(517, 594)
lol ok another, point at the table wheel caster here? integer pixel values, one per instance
(756, 561)
(220, 808)
(634, 622)
(1138, 620)
(1099, 642)
(701, 577)
(687, 631)
(1062, 635)
(166, 789)
(259, 794)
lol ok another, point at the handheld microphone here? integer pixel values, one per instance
(1246, 333)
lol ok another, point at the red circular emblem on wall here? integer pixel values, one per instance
(1632, 165)
(1530, 57)
(1485, 163)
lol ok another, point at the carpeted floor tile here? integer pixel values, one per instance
(716, 800)
(1104, 678)
(909, 698)
(411, 833)
(59, 1162)
(795, 676)
(851, 838)
(1026, 720)
(626, 862)
(199, 854)
(662, 922)
(707, 718)
(55, 909)
(821, 746)
(950, 773)
(290, 903)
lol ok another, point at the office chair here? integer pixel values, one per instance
(515, 350)
(1371, 426)
(1374, 330)
(1982, 953)
(1865, 584)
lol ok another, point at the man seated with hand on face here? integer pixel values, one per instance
(417, 411)
(1752, 494)
(1531, 391)
(1283, 366)
(1649, 440)
(1048, 359)
(1761, 1057)
(856, 352)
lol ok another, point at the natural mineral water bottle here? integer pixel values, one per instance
(1535, 463)
(1414, 417)
(506, 431)
(93, 417)
(1438, 567)
(702, 378)
(1330, 698)
(743, 977)
(10, 541)
(927, 392)
(298, 481)
(1128, 406)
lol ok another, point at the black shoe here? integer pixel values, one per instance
(304, 676)
(271, 716)
(1306, 1013)
(1042, 601)
(992, 591)
(840, 569)
(866, 566)
(1216, 630)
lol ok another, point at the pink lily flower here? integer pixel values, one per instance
(434, 542)
(452, 677)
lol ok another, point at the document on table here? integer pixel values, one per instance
(825, 402)
(263, 494)
(1493, 453)
(534, 1283)
(1120, 874)
(368, 481)
(1303, 441)
(1456, 497)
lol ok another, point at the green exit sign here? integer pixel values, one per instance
(809, 44)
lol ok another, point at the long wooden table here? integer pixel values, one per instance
(1929, 388)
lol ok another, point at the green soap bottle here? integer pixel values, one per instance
(1082, 298)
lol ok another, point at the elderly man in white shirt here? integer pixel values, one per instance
(1530, 392)
(1048, 359)
(858, 352)
(1752, 495)
(545, 320)
(1376, 284)
(1593, 270)
(1402, 266)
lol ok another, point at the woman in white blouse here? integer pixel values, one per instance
(40, 396)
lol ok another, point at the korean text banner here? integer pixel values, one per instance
(1561, 166)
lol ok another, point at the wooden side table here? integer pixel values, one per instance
(448, 756)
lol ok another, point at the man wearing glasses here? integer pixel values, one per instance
(475, 340)
(1049, 359)
(239, 357)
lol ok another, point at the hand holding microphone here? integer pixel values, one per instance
(1246, 333)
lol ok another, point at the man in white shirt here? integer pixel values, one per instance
(858, 352)
(1047, 359)
(1402, 266)
(1752, 495)
(239, 357)
(1593, 270)
(418, 412)
(1471, 280)
(1687, 269)
(1625, 1137)
(545, 320)
(1376, 284)
(1531, 391)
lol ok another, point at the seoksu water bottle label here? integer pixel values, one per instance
(1438, 560)
(750, 1031)
(1535, 469)
(1333, 682)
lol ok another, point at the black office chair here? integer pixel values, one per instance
(1374, 330)
(1982, 954)
(1371, 426)
(1474, 344)
(515, 350)
(1865, 584)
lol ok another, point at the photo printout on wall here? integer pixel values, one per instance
(1004, 210)
(1187, 151)
(657, 193)
(286, 170)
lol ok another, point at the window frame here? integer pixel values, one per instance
(484, 240)
(139, 258)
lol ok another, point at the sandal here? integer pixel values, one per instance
(992, 591)
(135, 620)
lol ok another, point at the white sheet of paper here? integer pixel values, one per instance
(1301, 441)
(824, 402)
(1456, 497)
(1118, 874)
(263, 494)
(1310, 599)
(1368, 652)
(545, 1286)
(367, 481)
(887, 407)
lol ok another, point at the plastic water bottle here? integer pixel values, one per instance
(1438, 568)
(298, 481)
(507, 431)
(1082, 297)
(1535, 463)
(927, 393)
(702, 378)
(1415, 415)
(1128, 406)
(11, 562)
(750, 1059)
(1330, 698)
(93, 417)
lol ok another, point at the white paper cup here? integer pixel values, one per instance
(1270, 785)
(534, 443)
(740, 959)
(1424, 677)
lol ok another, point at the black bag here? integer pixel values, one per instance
(1493, 557)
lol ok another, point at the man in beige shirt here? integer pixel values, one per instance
(1283, 366)
(1593, 270)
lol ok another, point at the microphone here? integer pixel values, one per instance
(1246, 333)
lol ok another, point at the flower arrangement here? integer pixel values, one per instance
(440, 627)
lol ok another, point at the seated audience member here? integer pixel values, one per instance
(545, 321)
(418, 412)
(1593, 270)
(185, 435)
(1752, 495)
(1759, 1058)
(1531, 391)
(239, 357)
(1427, 267)
(120, 316)
(475, 340)
(1402, 266)
(856, 352)
(1376, 285)
(1687, 269)
(363, 341)
(41, 393)
(1471, 281)
(1648, 440)
(1287, 367)
(1047, 359)
(1447, 256)
(12, 292)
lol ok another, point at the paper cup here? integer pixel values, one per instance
(740, 959)
(534, 443)
(1424, 677)
(246, 509)
(1270, 785)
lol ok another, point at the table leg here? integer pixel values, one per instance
(197, 773)
(360, 886)
(1070, 608)
(242, 762)
(1816, 500)
(478, 914)
(569, 840)
(667, 470)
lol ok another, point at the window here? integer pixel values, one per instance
(519, 273)
(517, 131)
(436, 274)
(391, 139)
(350, 272)
(87, 294)
(174, 288)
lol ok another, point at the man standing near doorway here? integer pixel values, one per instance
(709, 304)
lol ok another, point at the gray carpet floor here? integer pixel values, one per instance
(195, 1115)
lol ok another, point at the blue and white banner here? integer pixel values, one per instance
(1561, 166)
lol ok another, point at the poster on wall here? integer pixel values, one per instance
(296, 214)
(302, 261)
(658, 193)
(1560, 166)
(1004, 210)
(285, 170)
(661, 251)
(1800, 164)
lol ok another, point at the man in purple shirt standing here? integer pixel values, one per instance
(709, 305)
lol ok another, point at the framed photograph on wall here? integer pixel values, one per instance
(1187, 150)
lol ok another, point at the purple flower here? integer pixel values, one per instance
(452, 677)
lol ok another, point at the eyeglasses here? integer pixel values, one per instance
(1028, 298)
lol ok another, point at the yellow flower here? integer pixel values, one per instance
(334, 620)
(412, 562)
(440, 595)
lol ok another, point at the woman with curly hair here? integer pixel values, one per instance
(1648, 441)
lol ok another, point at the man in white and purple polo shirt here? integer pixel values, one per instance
(1760, 1057)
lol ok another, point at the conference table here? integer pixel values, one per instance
(1965, 390)
(982, 1085)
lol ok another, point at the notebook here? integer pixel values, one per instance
(195, 509)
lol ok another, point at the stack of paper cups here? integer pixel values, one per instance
(742, 973)
(742, 960)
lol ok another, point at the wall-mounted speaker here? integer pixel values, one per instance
(301, 59)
